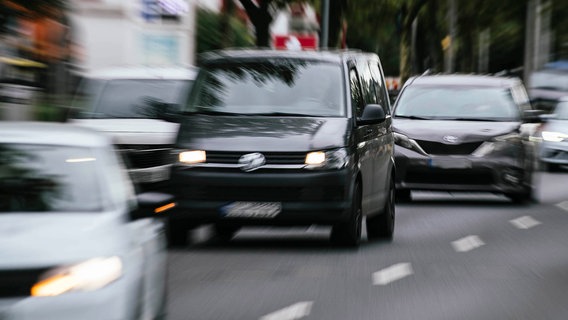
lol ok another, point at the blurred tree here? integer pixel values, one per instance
(212, 36)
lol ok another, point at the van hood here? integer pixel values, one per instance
(261, 133)
(133, 131)
(464, 131)
(35, 240)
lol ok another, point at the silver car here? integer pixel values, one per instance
(75, 242)
(554, 133)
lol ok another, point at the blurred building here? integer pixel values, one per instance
(133, 32)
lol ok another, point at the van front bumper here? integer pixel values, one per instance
(305, 197)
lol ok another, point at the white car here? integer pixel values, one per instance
(137, 107)
(75, 241)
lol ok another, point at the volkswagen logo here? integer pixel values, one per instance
(251, 161)
(450, 139)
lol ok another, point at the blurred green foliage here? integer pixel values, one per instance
(210, 35)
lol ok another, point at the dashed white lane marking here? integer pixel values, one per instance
(563, 205)
(468, 243)
(296, 311)
(392, 273)
(525, 222)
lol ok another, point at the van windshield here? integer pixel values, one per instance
(278, 87)
(129, 98)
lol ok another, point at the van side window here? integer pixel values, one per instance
(366, 80)
(356, 95)
(379, 86)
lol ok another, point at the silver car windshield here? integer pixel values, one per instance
(461, 103)
(549, 80)
(41, 178)
(282, 87)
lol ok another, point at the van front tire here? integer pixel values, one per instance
(349, 233)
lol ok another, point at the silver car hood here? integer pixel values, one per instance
(133, 131)
(37, 240)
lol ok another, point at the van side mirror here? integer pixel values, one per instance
(152, 204)
(372, 114)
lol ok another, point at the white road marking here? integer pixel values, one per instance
(525, 222)
(296, 311)
(392, 273)
(563, 205)
(468, 243)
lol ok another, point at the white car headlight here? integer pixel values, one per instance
(332, 159)
(192, 156)
(85, 276)
(552, 136)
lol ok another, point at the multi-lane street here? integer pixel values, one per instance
(462, 256)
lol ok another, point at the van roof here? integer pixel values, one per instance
(263, 54)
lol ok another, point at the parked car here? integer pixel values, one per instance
(76, 243)
(553, 149)
(286, 138)
(464, 133)
(136, 106)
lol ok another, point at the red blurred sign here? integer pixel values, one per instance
(295, 42)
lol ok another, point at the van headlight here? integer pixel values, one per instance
(331, 159)
(85, 276)
(405, 142)
(192, 156)
(507, 145)
(552, 136)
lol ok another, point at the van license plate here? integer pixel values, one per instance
(254, 210)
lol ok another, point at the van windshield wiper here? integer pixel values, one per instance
(213, 113)
(412, 117)
(280, 114)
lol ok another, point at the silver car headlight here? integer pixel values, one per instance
(85, 276)
(326, 160)
(508, 144)
(552, 136)
(405, 142)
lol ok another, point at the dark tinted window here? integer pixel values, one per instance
(378, 86)
(272, 86)
(366, 80)
(456, 102)
(130, 98)
(42, 178)
(357, 100)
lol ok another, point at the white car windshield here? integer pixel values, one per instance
(130, 98)
(42, 178)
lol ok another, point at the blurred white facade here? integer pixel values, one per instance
(133, 32)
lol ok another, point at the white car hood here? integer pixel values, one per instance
(133, 131)
(33, 240)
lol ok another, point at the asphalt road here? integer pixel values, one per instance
(472, 256)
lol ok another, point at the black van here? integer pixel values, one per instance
(286, 139)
